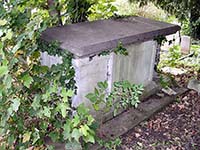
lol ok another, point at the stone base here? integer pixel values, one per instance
(194, 84)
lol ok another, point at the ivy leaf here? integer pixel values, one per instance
(96, 106)
(9, 34)
(47, 112)
(76, 134)
(11, 139)
(102, 85)
(65, 94)
(76, 120)
(92, 97)
(63, 108)
(82, 110)
(2, 22)
(8, 81)
(89, 138)
(36, 102)
(84, 129)
(54, 136)
(90, 120)
(15, 104)
(16, 47)
(27, 80)
(67, 130)
(3, 70)
(26, 137)
(70, 93)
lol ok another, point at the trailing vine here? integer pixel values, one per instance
(35, 100)
(119, 50)
(65, 69)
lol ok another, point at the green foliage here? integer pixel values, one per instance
(76, 10)
(124, 95)
(119, 50)
(102, 9)
(180, 8)
(73, 11)
(184, 10)
(133, 9)
(165, 81)
(173, 58)
(110, 145)
(188, 27)
(35, 100)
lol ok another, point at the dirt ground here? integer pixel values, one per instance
(177, 127)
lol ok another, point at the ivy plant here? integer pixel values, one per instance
(119, 50)
(35, 100)
(124, 95)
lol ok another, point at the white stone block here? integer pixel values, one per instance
(185, 44)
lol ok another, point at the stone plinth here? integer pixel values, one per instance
(86, 40)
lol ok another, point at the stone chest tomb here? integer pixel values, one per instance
(86, 40)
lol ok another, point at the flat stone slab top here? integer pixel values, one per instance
(90, 38)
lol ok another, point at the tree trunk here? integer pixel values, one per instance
(194, 17)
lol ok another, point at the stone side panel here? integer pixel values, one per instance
(138, 66)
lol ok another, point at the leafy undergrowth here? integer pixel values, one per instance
(177, 127)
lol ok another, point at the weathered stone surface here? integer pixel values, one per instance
(89, 38)
(173, 71)
(194, 84)
(168, 91)
(137, 68)
(185, 44)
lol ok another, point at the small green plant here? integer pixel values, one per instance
(110, 145)
(164, 82)
(171, 58)
(174, 55)
(124, 95)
